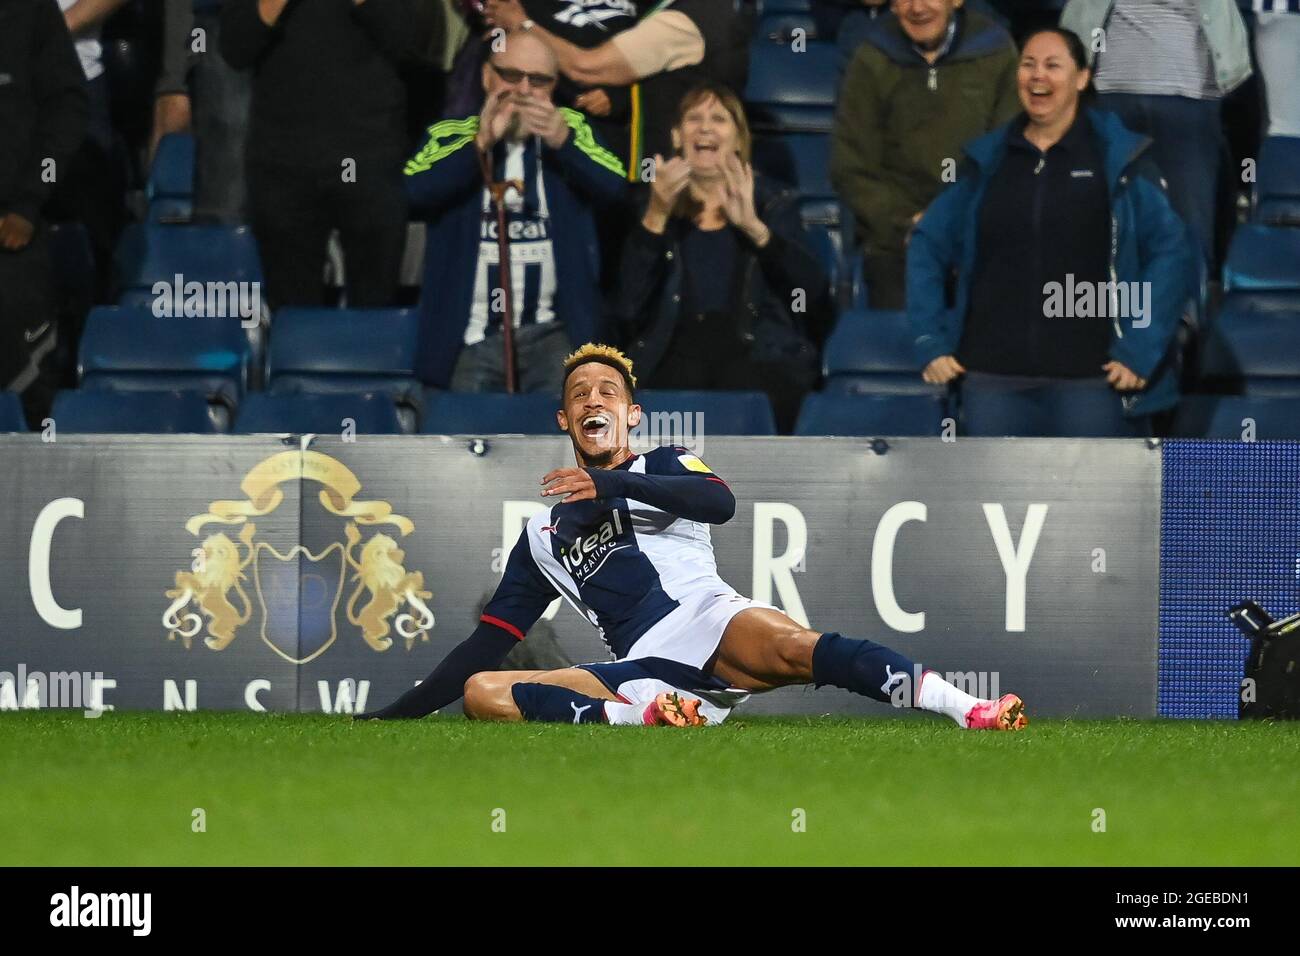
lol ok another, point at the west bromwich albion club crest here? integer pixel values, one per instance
(299, 591)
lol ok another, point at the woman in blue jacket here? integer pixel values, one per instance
(1069, 268)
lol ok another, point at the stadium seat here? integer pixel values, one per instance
(370, 413)
(800, 160)
(780, 27)
(1251, 351)
(1238, 417)
(170, 189)
(133, 350)
(96, 411)
(714, 413)
(1086, 408)
(489, 413)
(1262, 259)
(149, 253)
(1277, 189)
(791, 91)
(767, 7)
(871, 353)
(346, 350)
(871, 415)
(11, 413)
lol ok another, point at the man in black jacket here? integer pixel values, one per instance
(676, 46)
(43, 113)
(328, 137)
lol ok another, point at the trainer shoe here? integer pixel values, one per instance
(671, 710)
(1005, 713)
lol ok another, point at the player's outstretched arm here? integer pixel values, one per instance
(519, 601)
(483, 650)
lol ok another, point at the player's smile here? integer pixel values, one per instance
(597, 414)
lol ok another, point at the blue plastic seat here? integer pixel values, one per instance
(489, 413)
(11, 413)
(102, 411)
(1277, 189)
(1263, 259)
(870, 352)
(791, 91)
(799, 160)
(365, 413)
(149, 253)
(170, 189)
(1251, 350)
(780, 27)
(345, 350)
(871, 415)
(714, 413)
(133, 350)
(1259, 417)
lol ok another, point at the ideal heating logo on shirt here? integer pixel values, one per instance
(77, 909)
(584, 557)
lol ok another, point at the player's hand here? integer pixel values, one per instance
(596, 102)
(574, 483)
(1122, 378)
(542, 118)
(942, 370)
(15, 232)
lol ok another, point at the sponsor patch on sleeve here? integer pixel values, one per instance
(692, 463)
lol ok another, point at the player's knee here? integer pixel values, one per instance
(480, 695)
(794, 653)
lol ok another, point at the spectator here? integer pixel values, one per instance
(327, 138)
(553, 252)
(92, 185)
(43, 113)
(1277, 52)
(676, 46)
(1164, 67)
(716, 290)
(1062, 197)
(608, 108)
(923, 83)
(199, 90)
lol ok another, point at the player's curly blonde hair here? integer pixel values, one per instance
(605, 355)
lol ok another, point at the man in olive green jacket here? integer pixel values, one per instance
(927, 79)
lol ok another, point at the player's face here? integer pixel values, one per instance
(597, 413)
(706, 136)
(1048, 80)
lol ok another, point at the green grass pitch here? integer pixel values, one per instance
(277, 789)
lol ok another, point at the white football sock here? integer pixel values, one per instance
(625, 714)
(938, 696)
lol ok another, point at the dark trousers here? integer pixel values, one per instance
(706, 353)
(1028, 407)
(222, 98)
(295, 209)
(1188, 143)
(28, 316)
